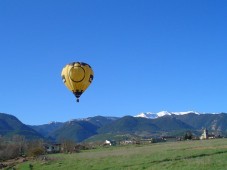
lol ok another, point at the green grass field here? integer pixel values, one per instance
(184, 155)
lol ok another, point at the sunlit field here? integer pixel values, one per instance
(183, 155)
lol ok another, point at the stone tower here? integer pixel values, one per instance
(205, 134)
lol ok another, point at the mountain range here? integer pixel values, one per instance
(10, 125)
(100, 127)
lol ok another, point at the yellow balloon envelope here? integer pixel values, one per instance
(77, 76)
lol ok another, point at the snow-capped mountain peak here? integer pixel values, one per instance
(52, 122)
(151, 115)
(183, 113)
(148, 115)
(163, 113)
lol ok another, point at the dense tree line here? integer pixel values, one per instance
(17, 146)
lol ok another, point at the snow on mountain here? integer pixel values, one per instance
(163, 113)
(151, 115)
(148, 115)
(183, 113)
(52, 122)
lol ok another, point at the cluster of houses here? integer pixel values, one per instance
(56, 148)
(52, 148)
(206, 135)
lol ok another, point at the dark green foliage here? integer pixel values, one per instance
(188, 135)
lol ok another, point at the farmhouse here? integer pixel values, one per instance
(109, 143)
(52, 148)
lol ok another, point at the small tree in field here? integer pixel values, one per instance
(188, 135)
(68, 145)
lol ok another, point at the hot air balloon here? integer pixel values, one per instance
(77, 76)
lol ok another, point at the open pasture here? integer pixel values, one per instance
(183, 155)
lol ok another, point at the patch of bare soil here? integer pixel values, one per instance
(12, 162)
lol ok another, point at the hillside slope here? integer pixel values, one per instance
(129, 124)
(75, 130)
(10, 125)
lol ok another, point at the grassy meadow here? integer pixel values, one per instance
(182, 155)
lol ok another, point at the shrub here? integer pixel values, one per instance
(36, 152)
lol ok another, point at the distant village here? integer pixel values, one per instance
(68, 148)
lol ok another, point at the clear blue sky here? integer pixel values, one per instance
(147, 55)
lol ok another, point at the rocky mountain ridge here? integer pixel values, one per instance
(166, 123)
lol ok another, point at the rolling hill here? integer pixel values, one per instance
(169, 123)
(129, 124)
(46, 129)
(75, 130)
(10, 125)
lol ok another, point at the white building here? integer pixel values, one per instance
(204, 135)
